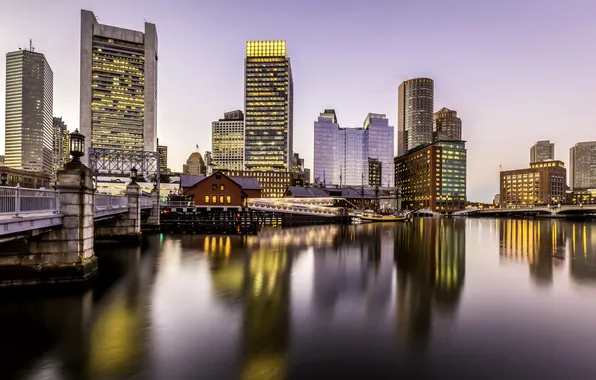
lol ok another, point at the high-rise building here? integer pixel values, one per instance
(29, 109)
(325, 146)
(541, 184)
(542, 151)
(268, 106)
(227, 141)
(61, 145)
(163, 158)
(414, 114)
(440, 185)
(380, 145)
(375, 170)
(195, 165)
(447, 126)
(118, 86)
(582, 162)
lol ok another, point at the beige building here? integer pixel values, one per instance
(542, 183)
(542, 151)
(227, 141)
(414, 114)
(195, 165)
(582, 162)
(446, 126)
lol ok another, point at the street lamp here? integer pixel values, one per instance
(3, 178)
(133, 174)
(77, 146)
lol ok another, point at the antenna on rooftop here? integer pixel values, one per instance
(31, 47)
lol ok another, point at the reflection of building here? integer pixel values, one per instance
(541, 184)
(430, 260)
(542, 151)
(268, 106)
(433, 176)
(534, 242)
(447, 126)
(583, 252)
(195, 165)
(29, 102)
(227, 141)
(274, 183)
(414, 114)
(582, 165)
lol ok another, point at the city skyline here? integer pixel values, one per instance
(492, 49)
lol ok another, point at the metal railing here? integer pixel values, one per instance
(108, 201)
(17, 200)
(178, 204)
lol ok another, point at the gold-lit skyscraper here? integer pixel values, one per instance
(29, 108)
(268, 105)
(227, 141)
(118, 86)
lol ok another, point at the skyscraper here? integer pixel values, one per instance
(268, 106)
(325, 148)
(447, 126)
(582, 162)
(163, 157)
(61, 144)
(29, 108)
(118, 86)
(414, 114)
(380, 145)
(542, 151)
(227, 141)
(195, 165)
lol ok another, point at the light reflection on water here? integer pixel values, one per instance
(438, 297)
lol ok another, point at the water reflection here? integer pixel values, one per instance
(583, 252)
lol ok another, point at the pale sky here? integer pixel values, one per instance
(516, 71)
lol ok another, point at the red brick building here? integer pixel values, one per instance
(219, 190)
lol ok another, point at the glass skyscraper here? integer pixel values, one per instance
(118, 86)
(380, 145)
(268, 105)
(29, 112)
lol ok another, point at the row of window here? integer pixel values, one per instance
(215, 198)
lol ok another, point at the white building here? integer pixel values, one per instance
(227, 142)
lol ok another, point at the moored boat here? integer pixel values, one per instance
(386, 218)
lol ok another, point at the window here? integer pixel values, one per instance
(214, 186)
(214, 199)
(222, 187)
(221, 199)
(206, 198)
(229, 199)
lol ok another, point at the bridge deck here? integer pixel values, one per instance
(34, 222)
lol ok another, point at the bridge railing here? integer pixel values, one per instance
(146, 202)
(103, 201)
(16, 201)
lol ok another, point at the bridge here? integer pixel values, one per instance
(548, 210)
(26, 212)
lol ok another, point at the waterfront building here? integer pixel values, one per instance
(497, 199)
(61, 145)
(163, 158)
(414, 114)
(581, 197)
(25, 178)
(375, 170)
(447, 126)
(542, 151)
(273, 182)
(227, 141)
(268, 106)
(219, 191)
(195, 165)
(29, 111)
(543, 183)
(380, 145)
(582, 162)
(433, 176)
(118, 86)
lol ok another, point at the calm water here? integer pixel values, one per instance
(435, 299)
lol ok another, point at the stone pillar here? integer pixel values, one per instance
(152, 223)
(125, 228)
(63, 254)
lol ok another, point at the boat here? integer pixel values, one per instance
(387, 218)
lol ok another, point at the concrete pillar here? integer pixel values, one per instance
(152, 223)
(125, 228)
(63, 254)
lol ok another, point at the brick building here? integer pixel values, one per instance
(25, 178)
(219, 190)
(542, 183)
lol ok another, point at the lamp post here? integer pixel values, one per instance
(3, 178)
(77, 146)
(133, 174)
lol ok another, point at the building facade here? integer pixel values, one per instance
(542, 151)
(582, 162)
(543, 183)
(118, 86)
(29, 111)
(195, 165)
(227, 141)
(325, 148)
(375, 171)
(268, 106)
(414, 114)
(163, 158)
(446, 126)
(433, 176)
(273, 183)
(380, 138)
(220, 191)
(61, 145)
(25, 178)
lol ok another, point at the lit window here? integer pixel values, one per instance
(214, 199)
(206, 198)
(221, 199)
(221, 187)
(214, 187)
(229, 199)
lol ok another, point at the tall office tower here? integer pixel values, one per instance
(227, 141)
(268, 106)
(29, 109)
(414, 114)
(61, 144)
(380, 145)
(163, 157)
(542, 151)
(582, 162)
(118, 86)
(447, 126)
(340, 154)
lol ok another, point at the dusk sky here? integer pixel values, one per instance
(516, 71)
